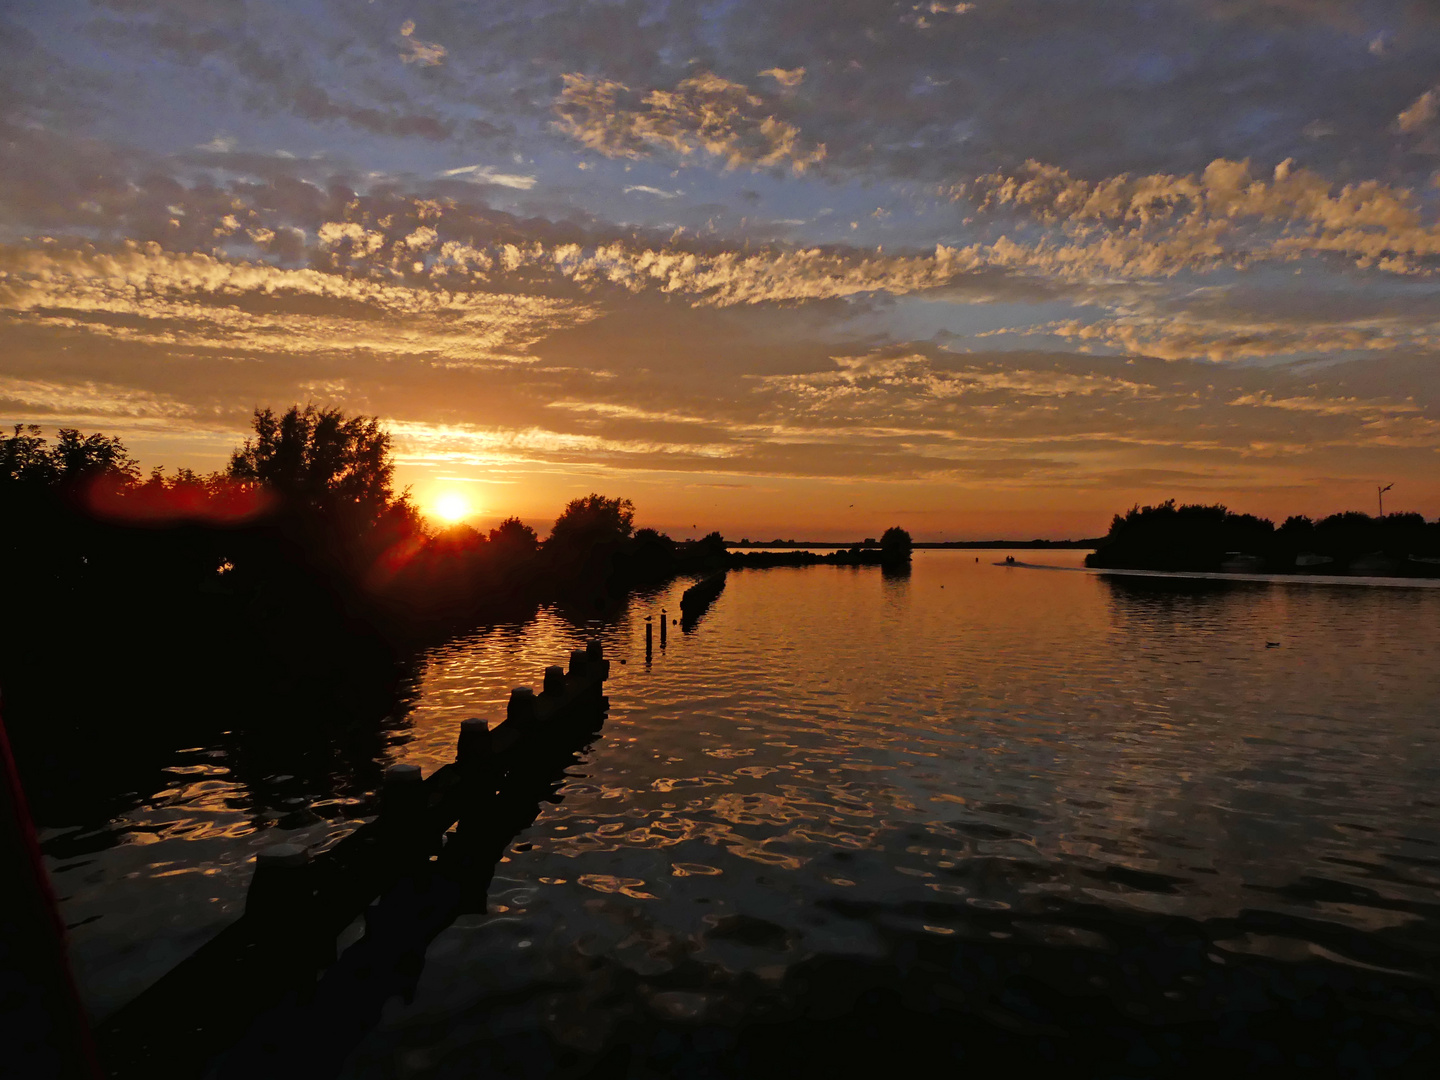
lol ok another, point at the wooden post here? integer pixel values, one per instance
(664, 624)
(473, 746)
(554, 680)
(649, 637)
(281, 884)
(522, 704)
(402, 798)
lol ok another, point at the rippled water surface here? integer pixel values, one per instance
(834, 757)
(838, 772)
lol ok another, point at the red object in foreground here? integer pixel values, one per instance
(43, 1030)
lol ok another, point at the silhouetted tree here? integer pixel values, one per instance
(324, 461)
(592, 520)
(712, 544)
(78, 458)
(26, 458)
(895, 545)
(512, 538)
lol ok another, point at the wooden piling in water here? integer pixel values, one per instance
(298, 905)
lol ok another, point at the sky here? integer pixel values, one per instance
(781, 268)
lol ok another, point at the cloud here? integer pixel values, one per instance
(415, 51)
(42, 399)
(1177, 334)
(483, 174)
(704, 113)
(461, 444)
(1159, 224)
(788, 79)
(1420, 114)
(147, 296)
(645, 189)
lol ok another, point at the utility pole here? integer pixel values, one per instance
(1380, 496)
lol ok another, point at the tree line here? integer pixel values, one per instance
(295, 581)
(1200, 537)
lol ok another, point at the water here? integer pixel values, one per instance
(1016, 796)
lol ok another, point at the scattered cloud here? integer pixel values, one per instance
(788, 79)
(1420, 114)
(483, 174)
(1159, 224)
(703, 113)
(415, 51)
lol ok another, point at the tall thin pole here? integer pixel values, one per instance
(1380, 496)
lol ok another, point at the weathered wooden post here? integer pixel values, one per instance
(281, 886)
(554, 680)
(402, 798)
(664, 624)
(280, 910)
(473, 747)
(649, 637)
(522, 705)
(577, 661)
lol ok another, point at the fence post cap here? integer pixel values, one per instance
(402, 773)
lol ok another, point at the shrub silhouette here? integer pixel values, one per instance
(895, 546)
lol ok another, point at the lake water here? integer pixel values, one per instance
(1042, 808)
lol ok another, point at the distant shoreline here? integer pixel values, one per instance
(1009, 544)
(1380, 580)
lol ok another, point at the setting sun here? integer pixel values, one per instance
(452, 506)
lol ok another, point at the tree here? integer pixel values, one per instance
(895, 545)
(512, 537)
(79, 457)
(592, 520)
(25, 458)
(321, 460)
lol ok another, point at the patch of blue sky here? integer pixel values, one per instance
(960, 323)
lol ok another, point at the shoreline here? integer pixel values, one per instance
(1277, 579)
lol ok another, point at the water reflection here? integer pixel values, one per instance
(986, 792)
(999, 768)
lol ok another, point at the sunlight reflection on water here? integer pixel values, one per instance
(991, 738)
(969, 738)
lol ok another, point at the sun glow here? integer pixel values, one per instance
(452, 506)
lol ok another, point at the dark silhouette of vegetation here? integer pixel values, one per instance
(895, 546)
(893, 553)
(591, 521)
(1213, 538)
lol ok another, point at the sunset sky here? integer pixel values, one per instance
(787, 267)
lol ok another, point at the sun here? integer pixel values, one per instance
(452, 506)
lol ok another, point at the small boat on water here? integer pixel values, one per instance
(1308, 559)
(1239, 562)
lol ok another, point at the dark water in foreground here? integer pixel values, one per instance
(973, 809)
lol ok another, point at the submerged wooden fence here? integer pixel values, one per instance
(695, 600)
(252, 991)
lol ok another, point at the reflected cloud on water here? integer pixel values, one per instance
(842, 773)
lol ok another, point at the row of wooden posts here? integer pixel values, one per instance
(253, 988)
(693, 602)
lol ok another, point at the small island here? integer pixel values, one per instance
(1213, 539)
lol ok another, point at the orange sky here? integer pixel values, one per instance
(982, 270)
